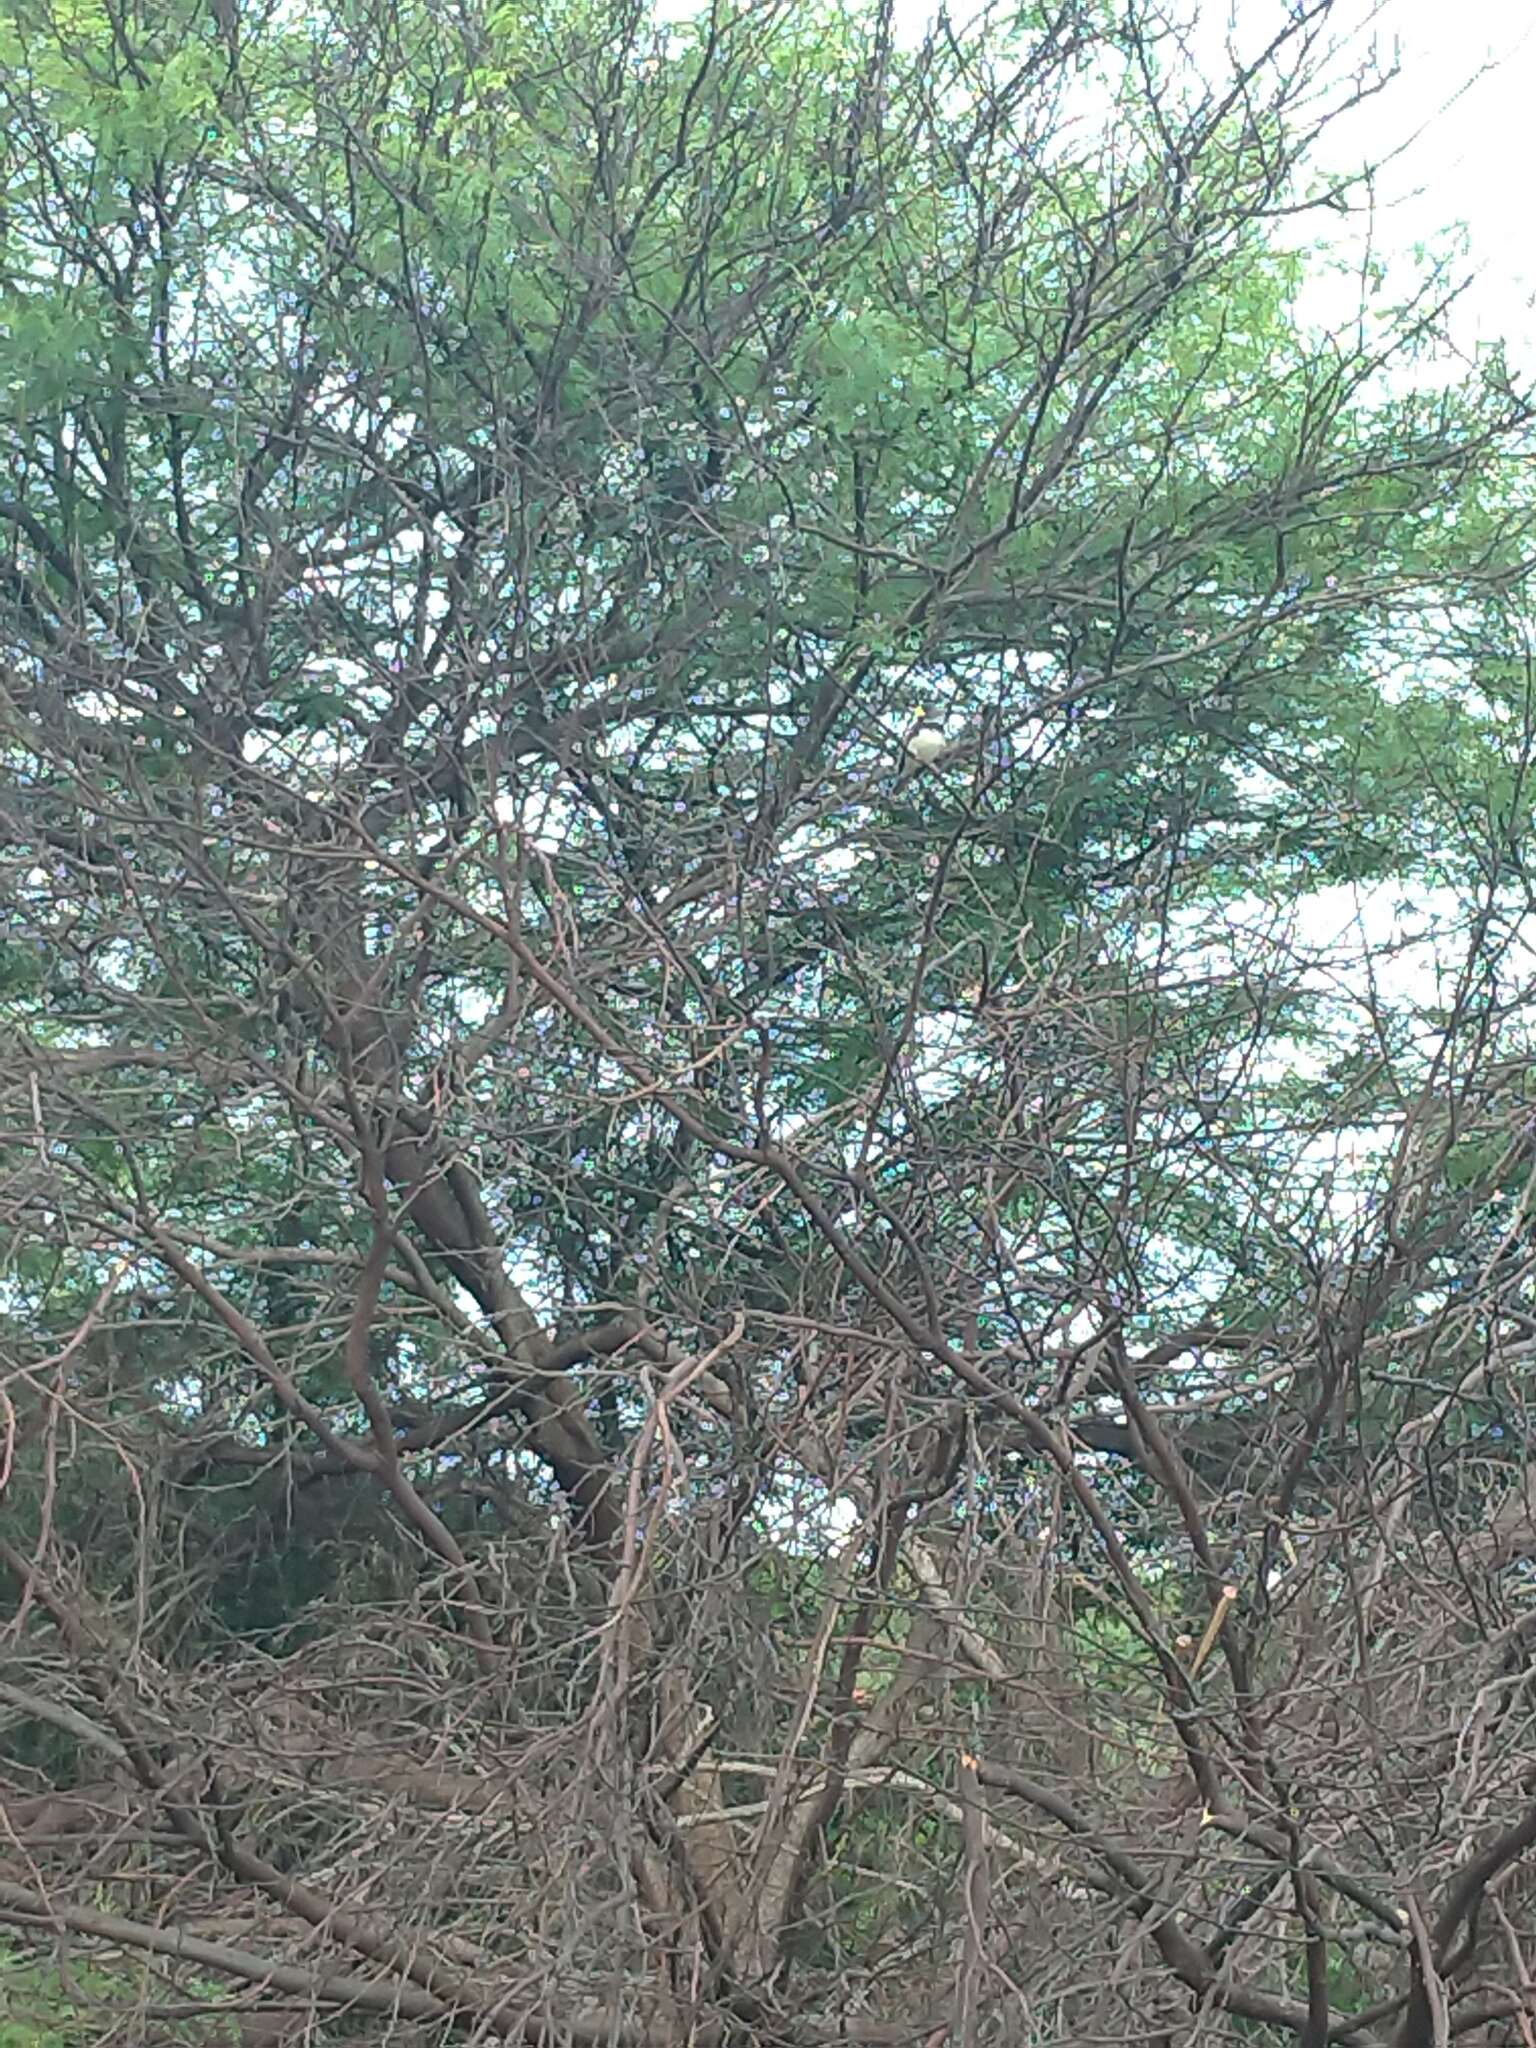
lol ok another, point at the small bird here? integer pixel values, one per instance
(925, 743)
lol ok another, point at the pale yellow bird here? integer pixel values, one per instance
(925, 743)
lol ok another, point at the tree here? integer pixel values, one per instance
(674, 1375)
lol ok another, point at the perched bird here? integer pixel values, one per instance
(925, 743)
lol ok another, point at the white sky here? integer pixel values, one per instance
(1461, 113)
(1452, 133)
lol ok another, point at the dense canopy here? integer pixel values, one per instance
(672, 1371)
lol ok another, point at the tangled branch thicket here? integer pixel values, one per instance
(671, 1376)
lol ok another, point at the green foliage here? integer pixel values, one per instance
(48, 2005)
(487, 494)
